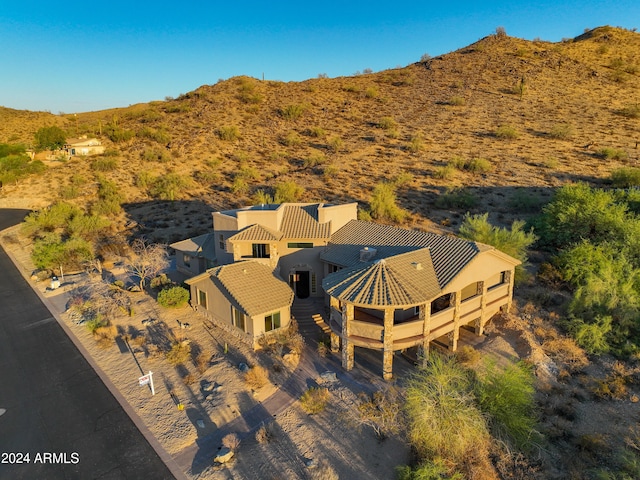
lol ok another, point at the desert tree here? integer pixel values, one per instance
(147, 260)
(382, 411)
(50, 138)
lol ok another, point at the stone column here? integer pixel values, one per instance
(387, 343)
(483, 306)
(425, 318)
(347, 346)
(453, 336)
(334, 306)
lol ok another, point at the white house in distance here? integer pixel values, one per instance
(83, 146)
(385, 288)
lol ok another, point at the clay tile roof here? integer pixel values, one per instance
(402, 280)
(448, 254)
(200, 246)
(252, 286)
(301, 221)
(256, 233)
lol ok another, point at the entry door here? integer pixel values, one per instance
(300, 284)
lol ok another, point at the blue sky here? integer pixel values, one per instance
(75, 56)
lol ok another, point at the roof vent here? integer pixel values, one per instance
(367, 253)
(417, 265)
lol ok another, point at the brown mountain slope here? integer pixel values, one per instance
(538, 112)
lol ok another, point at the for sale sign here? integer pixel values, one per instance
(145, 379)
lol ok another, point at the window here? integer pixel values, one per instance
(271, 322)
(202, 298)
(416, 310)
(299, 245)
(314, 283)
(186, 259)
(334, 268)
(497, 280)
(260, 250)
(470, 291)
(221, 241)
(237, 318)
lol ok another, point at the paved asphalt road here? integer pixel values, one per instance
(54, 402)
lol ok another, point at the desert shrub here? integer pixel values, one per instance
(87, 227)
(265, 433)
(460, 198)
(446, 172)
(566, 350)
(260, 197)
(507, 132)
(522, 201)
(156, 155)
(507, 397)
(473, 165)
(202, 362)
(550, 163)
(317, 132)
(292, 139)
(292, 111)
(314, 400)
(173, 297)
(95, 321)
(436, 469)
(609, 153)
(631, 111)
(179, 353)
(372, 92)
(562, 131)
(104, 164)
(105, 335)
(323, 348)
(387, 123)
(231, 441)
(324, 471)
(335, 143)
(444, 420)
(169, 187)
(416, 144)
(383, 203)
(228, 133)
(468, 356)
(143, 179)
(239, 186)
(118, 134)
(256, 377)
(626, 177)
(514, 242)
(160, 281)
(159, 135)
(314, 161)
(382, 411)
(51, 251)
(247, 91)
(288, 192)
(456, 101)
(393, 133)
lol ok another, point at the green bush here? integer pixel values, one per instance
(157, 135)
(428, 470)
(626, 177)
(104, 164)
(228, 133)
(507, 132)
(474, 165)
(169, 187)
(460, 198)
(292, 139)
(507, 396)
(292, 111)
(288, 192)
(456, 101)
(446, 172)
(387, 123)
(50, 138)
(314, 400)
(444, 420)
(609, 153)
(173, 297)
(563, 131)
(383, 203)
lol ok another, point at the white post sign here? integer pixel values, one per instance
(147, 380)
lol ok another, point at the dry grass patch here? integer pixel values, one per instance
(314, 400)
(256, 377)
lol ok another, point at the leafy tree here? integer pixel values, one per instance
(514, 242)
(50, 138)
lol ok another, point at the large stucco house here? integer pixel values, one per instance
(385, 288)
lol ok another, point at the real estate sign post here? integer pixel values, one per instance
(147, 380)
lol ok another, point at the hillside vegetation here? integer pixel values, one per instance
(490, 127)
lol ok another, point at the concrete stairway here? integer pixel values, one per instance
(310, 315)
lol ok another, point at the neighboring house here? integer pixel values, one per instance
(386, 288)
(195, 255)
(244, 298)
(83, 146)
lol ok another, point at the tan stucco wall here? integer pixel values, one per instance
(485, 265)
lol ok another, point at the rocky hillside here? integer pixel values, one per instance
(490, 127)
